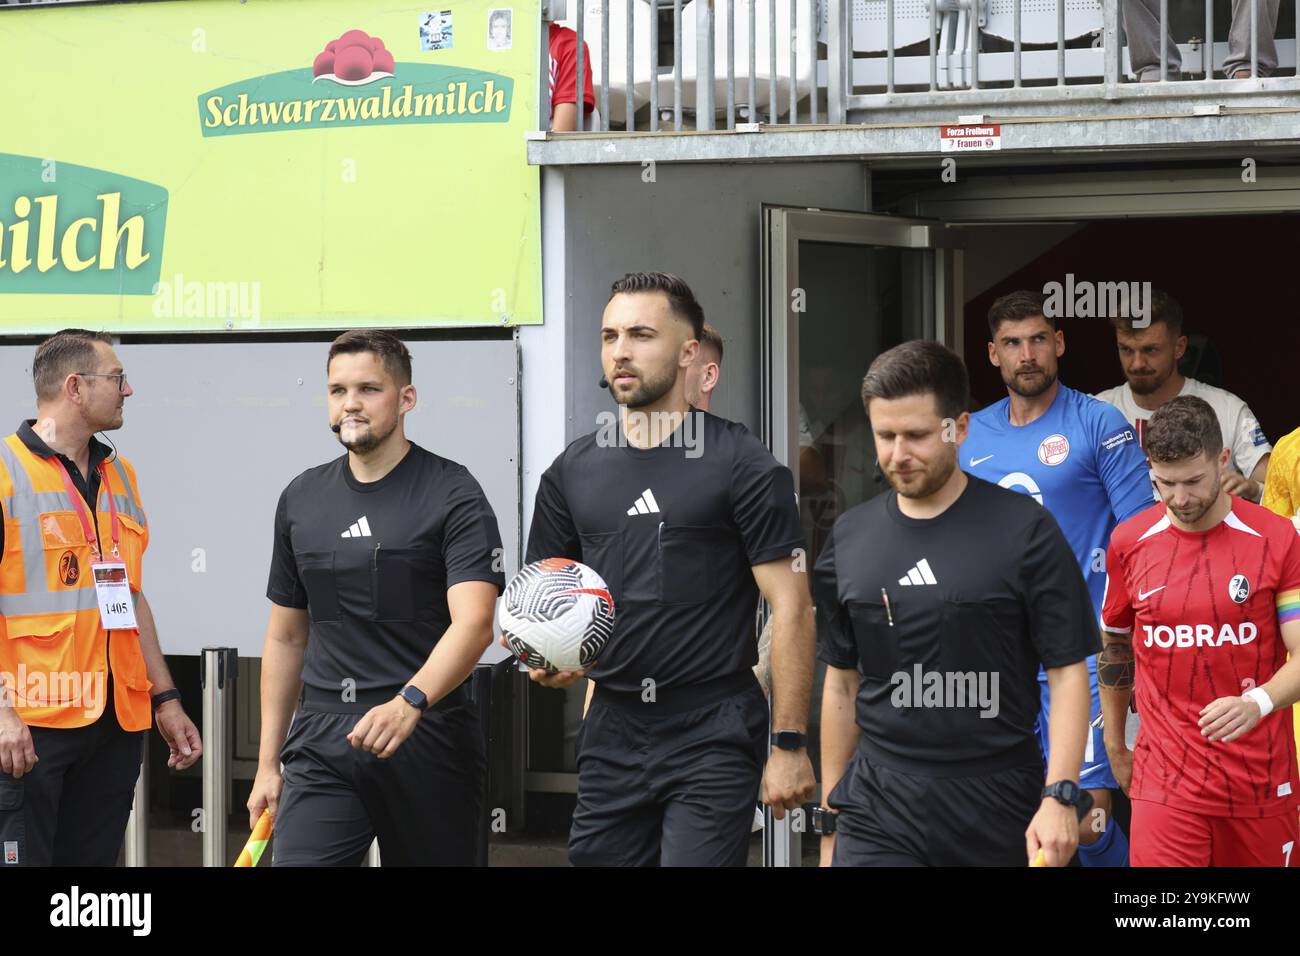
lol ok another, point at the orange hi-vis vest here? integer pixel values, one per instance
(54, 655)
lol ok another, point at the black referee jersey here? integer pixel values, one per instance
(371, 563)
(672, 749)
(674, 531)
(947, 620)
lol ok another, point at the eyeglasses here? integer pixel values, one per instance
(120, 376)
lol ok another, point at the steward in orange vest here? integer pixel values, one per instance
(79, 654)
(47, 594)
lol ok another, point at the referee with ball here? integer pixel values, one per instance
(686, 517)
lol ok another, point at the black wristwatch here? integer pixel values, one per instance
(1064, 791)
(162, 697)
(789, 740)
(415, 697)
(823, 821)
(1071, 794)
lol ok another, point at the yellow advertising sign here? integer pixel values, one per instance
(201, 165)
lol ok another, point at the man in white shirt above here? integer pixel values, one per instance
(1149, 357)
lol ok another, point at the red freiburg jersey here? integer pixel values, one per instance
(1202, 611)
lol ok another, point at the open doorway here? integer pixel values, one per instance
(842, 288)
(1236, 278)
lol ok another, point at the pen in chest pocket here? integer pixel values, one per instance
(889, 611)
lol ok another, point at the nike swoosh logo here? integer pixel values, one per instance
(603, 595)
(1143, 595)
(978, 461)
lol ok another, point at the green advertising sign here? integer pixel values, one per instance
(91, 233)
(291, 100)
(137, 195)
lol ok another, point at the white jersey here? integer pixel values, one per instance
(1241, 431)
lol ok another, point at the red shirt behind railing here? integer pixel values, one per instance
(564, 69)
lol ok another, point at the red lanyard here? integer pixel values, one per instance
(87, 525)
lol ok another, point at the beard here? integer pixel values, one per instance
(1200, 508)
(1145, 384)
(650, 390)
(1030, 386)
(364, 442)
(930, 479)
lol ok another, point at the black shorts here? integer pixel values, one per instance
(891, 818)
(670, 783)
(424, 803)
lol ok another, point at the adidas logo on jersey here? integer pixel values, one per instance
(645, 504)
(919, 574)
(360, 529)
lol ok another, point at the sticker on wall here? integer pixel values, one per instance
(966, 139)
(499, 28)
(435, 31)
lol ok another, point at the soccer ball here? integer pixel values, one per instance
(557, 614)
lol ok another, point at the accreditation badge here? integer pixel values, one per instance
(113, 593)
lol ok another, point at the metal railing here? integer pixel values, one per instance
(220, 670)
(707, 64)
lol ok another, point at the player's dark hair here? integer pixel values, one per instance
(1182, 428)
(917, 367)
(64, 352)
(1162, 308)
(711, 338)
(1016, 306)
(681, 300)
(391, 350)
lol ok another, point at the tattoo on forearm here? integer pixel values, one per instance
(1115, 665)
(763, 669)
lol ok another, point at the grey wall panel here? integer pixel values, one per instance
(700, 221)
(216, 430)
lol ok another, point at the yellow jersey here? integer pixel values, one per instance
(1282, 496)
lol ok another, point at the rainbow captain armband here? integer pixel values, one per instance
(252, 851)
(1288, 606)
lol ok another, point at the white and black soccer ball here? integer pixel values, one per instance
(557, 614)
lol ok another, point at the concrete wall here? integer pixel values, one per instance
(700, 221)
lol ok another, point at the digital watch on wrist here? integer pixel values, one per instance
(415, 697)
(789, 740)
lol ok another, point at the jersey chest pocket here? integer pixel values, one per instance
(401, 583)
(689, 558)
(316, 568)
(877, 640)
(980, 636)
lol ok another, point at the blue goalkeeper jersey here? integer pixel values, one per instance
(1080, 460)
